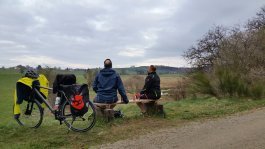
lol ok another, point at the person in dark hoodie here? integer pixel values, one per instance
(106, 84)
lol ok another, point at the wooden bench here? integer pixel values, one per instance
(147, 106)
(105, 110)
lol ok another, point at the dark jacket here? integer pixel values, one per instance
(152, 86)
(106, 84)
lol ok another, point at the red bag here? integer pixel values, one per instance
(77, 102)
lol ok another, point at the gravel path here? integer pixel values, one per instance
(241, 131)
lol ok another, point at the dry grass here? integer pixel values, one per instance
(180, 91)
(134, 83)
(167, 81)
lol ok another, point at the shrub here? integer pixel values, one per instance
(257, 90)
(202, 84)
(242, 90)
(181, 89)
(225, 83)
(229, 82)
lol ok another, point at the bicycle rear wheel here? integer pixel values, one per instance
(31, 114)
(79, 123)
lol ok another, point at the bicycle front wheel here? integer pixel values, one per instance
(31, 114)
(79, 123)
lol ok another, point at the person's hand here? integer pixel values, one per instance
(125, 100)
(137, 96)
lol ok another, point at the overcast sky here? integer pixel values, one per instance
(82, 33)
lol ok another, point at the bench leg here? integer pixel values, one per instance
(106, 113)
(109, 114)
(99, 111)
(160, 110)
(148, 108)
(151, 108)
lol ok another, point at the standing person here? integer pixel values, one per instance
(151, 89)
(106, 84)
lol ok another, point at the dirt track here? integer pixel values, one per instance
(241, 131)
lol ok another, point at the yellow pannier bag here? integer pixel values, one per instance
(28, 84)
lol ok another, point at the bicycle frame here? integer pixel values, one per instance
(44, 100)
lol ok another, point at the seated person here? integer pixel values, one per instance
(151, 89)
(106, 84)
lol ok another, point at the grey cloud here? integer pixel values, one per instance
(129, 32)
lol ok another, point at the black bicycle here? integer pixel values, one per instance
(32, 111)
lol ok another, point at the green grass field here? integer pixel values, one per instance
(53, 135)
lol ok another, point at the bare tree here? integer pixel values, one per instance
(257, 22)
(207, 49)
(243, 51)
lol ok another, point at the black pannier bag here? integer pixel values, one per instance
(62, 79)
(77, 94)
